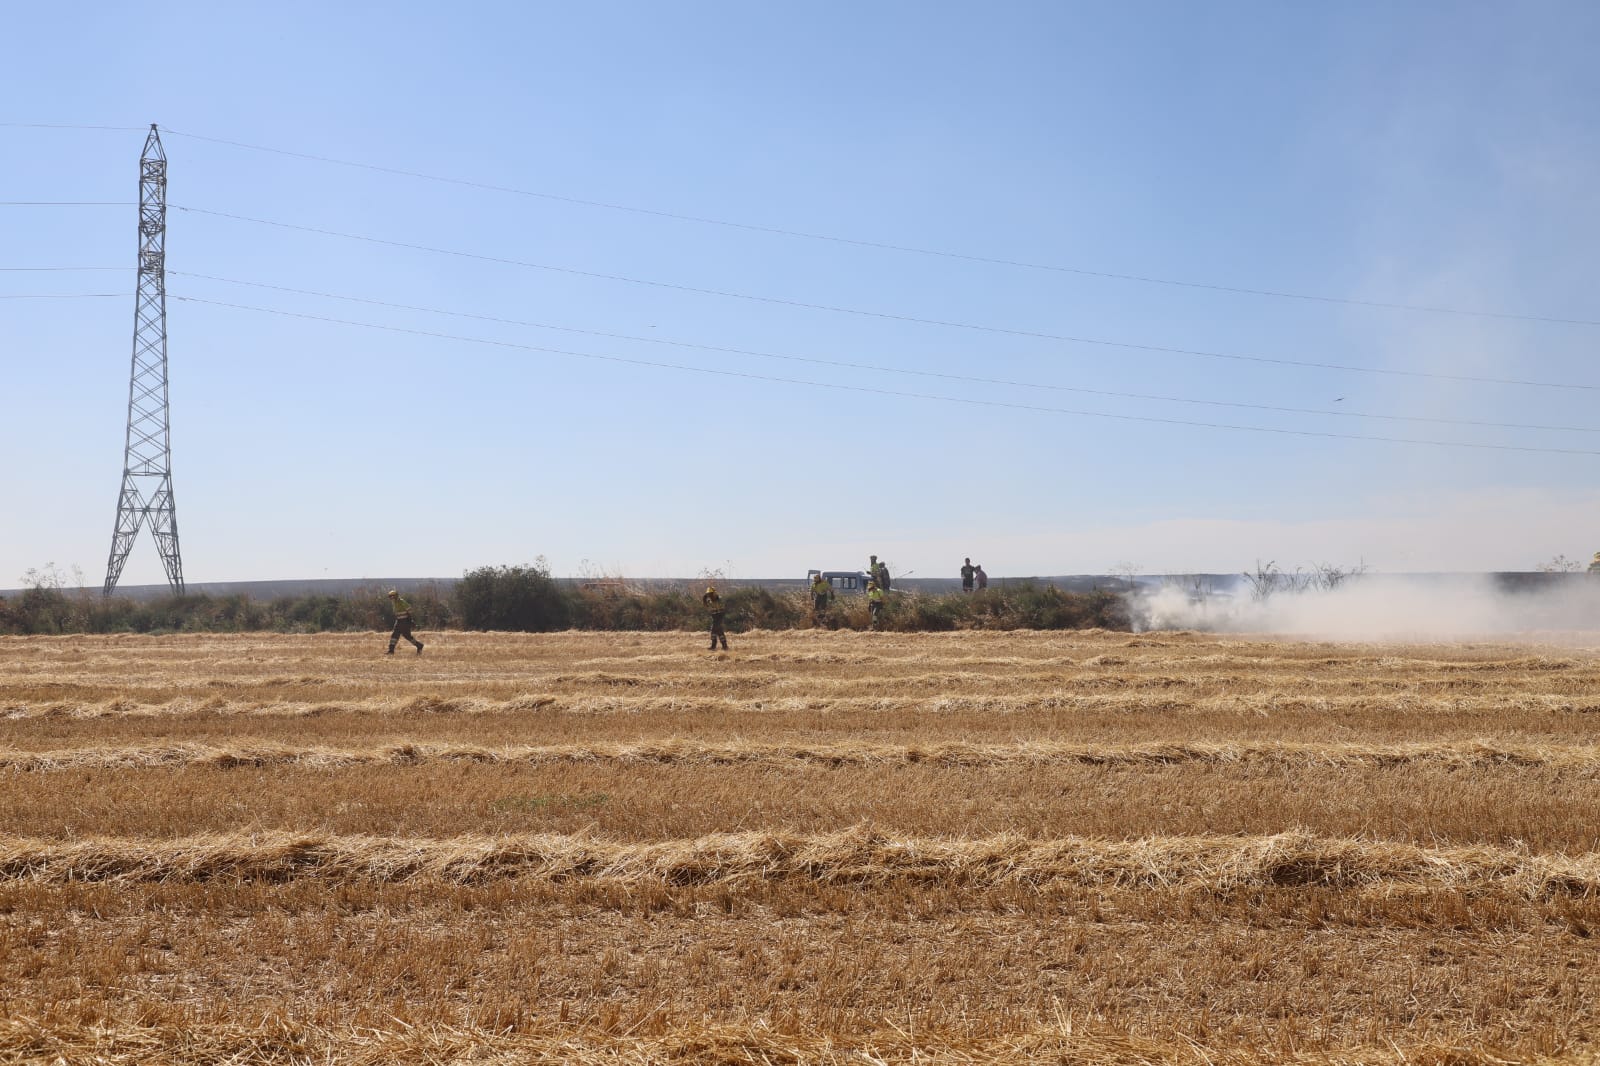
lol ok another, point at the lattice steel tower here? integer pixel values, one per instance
(148, 456)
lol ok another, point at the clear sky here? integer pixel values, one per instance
(1008, 398)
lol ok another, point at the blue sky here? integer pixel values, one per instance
(1434, 154)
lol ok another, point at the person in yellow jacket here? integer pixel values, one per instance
(821, 593)
(1594, 565)
(874, 602)
(402, 623)
(714, 604)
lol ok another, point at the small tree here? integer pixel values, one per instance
(1264, 582)
(43, 606)
(1560, 565)
(520, 598)
(1271, 579)
(1328, 577)
(1196, 588)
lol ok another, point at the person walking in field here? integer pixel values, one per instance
(874, 602)
(714, 604)
(821, 593)
(402, 623)
(981, 577)
(968, 571)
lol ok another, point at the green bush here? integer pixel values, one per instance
(1047, 607)
(759, 608)
(657, 610)
(916, 613)
(517, 598)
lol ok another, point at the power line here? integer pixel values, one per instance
(907, 249)
(830, 238)
(891, 392)
(965, 378)
(69, 126)
(19, 270)
(887, 316)
(59, 295)
(67, 203)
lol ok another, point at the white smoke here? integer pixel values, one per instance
(1556, 607)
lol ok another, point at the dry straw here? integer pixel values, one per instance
(1463, 755)
(713, 1045)
(855, 856)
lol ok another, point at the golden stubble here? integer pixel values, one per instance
(820, 847)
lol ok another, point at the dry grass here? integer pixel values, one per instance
(1461, 755)
(823, 847)
(722, 1045)
(856, 858)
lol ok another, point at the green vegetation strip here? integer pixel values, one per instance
(527, 599)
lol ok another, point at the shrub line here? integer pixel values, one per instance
(527, 599)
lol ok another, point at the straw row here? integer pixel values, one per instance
(856, 856)
(284, 1044)
(1451, 755)
(974, 698)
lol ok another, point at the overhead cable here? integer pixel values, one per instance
(69, 126)
(970, 401)
(60, 295)
(907, 249)
(841, 364)
(1066, 338)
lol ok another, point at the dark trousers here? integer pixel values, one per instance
(402, 628)
(819, 604)
(717, 632)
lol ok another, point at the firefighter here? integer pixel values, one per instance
(821, 593)
(874, 602)
(402, 623)
(714, 604)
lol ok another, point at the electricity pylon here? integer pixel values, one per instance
(148, 455)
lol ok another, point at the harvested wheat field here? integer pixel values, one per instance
(821, 848)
